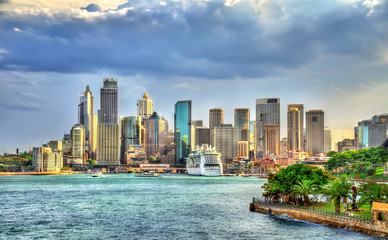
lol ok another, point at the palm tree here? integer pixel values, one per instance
(346, 185)
(373, 192)
(335, 191)
(303, 189)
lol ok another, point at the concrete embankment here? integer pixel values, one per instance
(375, 228)
(37, 173)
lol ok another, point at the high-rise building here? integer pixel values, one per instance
(363, 140)
(156, 133)
(109, 101)
(252, 139)
(243, 149)
(241, 122)
(295, 127)
(108, 151)
(377, 131)
(315, 131)
(145, 106)
(345, 145)
(182, 129)
(327, 140)
(267, 112)
(202, 136)
(197, 123)
(216, 117)
(130, 134)
(77, 135)
(272, 141)
(46, 160)
(226, 142)
(66, 143)
(86, 118)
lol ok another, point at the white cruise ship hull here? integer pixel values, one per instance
(194, 171)
(211, 172)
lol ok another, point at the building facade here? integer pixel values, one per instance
(182, 129)
(145, 106)
(109, 101)
(77, 135)
(226, 142)
(202, 136)
(272, 142)
(327, 140)
(294, 128)
(156, 133)
(108, 146)
(315, 131)
(267, 113)
(241, 122)
(129, 134)
(86, 118)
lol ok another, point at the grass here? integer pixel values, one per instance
(361, 176)
(330, 207)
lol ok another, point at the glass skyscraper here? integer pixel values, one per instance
(130, 133)
(182, 129)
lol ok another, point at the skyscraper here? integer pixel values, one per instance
(145, 106)
(182, 129)
(86, 118)
(156, 132)
(327, 140)
(272, 139)
(130, 133)
(315, 131)
(267, 112)
(77, 135)
(241, 122)
(108, 151)
(252, 139)
(226, 142)
(295, 121)
(202, 136)
(109, 101)
(216, 117)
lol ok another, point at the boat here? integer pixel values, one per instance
(97, 174)
(147, 175)
(204, 161)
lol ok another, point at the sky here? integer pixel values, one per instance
(330, 55)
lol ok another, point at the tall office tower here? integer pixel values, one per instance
(314, 131)
(300, 107)
(355, 138)
(272, 141)
(241, 122)
(327, 140)
(155, 135)
(345, 145)
(77, 135)
(109, 101)
(145, 106)
(86, 118)
(130, 134)
(216, 117)
(267, 112)
(66, 143)
(194, 124)
(243, 147)
(363, 140)
(202, 136)
(294, 129)
(226, 142)
(252, 139)
(95, 134)
(377, 131)
(108, 151)
(197, 123)
(55, 145)
(182, 129)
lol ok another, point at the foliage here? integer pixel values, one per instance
(282, 184)
(91, 161)
(304, 188)
(66, 168)
(370, 171)
(373, 192)
(331, 153)
(3, 168)
(153, 159)
(336, 190)
(346, 160)
(361, 167)
(16, 160)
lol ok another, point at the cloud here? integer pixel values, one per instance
(206, 39)
(186, 86)
(20, 105)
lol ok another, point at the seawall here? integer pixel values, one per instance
(376, 228)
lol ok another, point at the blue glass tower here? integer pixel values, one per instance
(182, 129)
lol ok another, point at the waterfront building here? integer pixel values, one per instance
(55, 145)
(108, 149)
(294, 129)
(202, 136)
(216, 118)
(86, 118)
(252, 139)
(109, 101)
(156, 132)
(327, 140)
(182, 129)
(267, 113)
(345, 145)
(129, 134)
(145, 107)
(241, 122)
(77, 135)
(66, 143)
(315, 131)
(272, 142)
(226, 142)
(243, 149)
(45, 160)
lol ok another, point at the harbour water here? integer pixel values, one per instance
(121, 206)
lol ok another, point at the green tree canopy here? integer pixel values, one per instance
(373, 192)
(282, 183)
(336, 190)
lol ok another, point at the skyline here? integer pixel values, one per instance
(224, 54)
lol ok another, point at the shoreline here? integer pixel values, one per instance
(37, 173)
(371, 228)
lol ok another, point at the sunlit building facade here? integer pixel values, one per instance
(182, 129)
(129, 134)
(315, 131)
(241, 122)
(145, 107)
(155, 135)
(226, 142)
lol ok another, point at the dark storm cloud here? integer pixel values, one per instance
(202, 39)
(92, 8)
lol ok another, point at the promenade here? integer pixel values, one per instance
(355, 223)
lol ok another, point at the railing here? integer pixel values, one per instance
(322, 212)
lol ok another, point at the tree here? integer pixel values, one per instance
(91, 161)
(335, 191)
(346, 185)
(331, 153)
(304, 188)
(373, 192)
(281, 184)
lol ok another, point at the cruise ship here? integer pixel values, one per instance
(204, 161)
